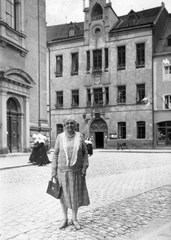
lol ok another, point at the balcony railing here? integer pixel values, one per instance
(74, 72)
(74, 105)
(121, 100)
(58, 74)
(59, 105)
(121, 67)
(140, 64)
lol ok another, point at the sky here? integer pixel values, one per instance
(65, 11)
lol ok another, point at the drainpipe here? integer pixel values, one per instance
(153, 127)
(39, 124)
(49, 98)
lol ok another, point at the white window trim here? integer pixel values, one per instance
(167, 94)
(166, 63)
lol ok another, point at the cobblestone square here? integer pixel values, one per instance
(129, 192)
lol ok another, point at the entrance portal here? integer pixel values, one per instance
(99, 139)
(12, 125)
(98, 131)
(164, 133)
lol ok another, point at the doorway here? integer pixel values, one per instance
(12, 126)
(99, 138)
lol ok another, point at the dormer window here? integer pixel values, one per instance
(97, 12)
(71, 32)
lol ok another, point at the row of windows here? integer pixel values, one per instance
(100, 96)
(98, 60)
(141, 131)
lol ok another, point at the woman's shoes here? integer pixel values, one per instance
(63, 224)
(76, 224)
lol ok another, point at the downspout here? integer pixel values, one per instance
(39, 124)
(49, 98)
(153, 127)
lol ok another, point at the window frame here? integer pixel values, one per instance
(121, 50)
(106, 95)
(122, 129)
(97, 60)
(121, 91)
(140, 55)
(59, 99)
(141, 130)
(98, 96)
(59, 66)
(11, 13)
(74, 64)
(88, 97)
(88, 62)
(139, 97)
(59, 129)
(167, 77)
(75, 98)
(167, 102)
(106, 59)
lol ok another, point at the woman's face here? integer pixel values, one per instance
(70, 126)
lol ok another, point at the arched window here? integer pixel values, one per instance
(11, 105)
(97, 12)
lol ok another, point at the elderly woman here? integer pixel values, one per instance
(69, 164)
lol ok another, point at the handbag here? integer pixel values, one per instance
(54, 189)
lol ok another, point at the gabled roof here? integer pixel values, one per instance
(59, 32)
(143, 17)
(132, 19)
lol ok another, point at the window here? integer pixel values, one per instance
(121, 94)
(106, 59)
(121, 58)
(75, 98)
(59, 66)
(88, 62)
(98, 96)
(71, 32)
(167, 73)
(59, 99)
(59, 129)
(11, 13)
(140, 61)
(88, 97)
(74, 70)
(167, 102)
(97, 12)
(122, 130)
(97, 60)
(141, 130)
(107, 95)
(140, 93)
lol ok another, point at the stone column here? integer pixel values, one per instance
(26, 124)
(3, 123)
(2, 10)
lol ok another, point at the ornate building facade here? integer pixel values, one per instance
(23, 101)
(101, 71)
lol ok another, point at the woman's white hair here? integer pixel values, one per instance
(68, 119)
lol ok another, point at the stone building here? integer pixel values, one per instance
(23, 100)
(162, 88)
(101, 71)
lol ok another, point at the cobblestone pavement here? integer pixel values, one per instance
(130, 196)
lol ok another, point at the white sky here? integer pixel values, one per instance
(65, 11)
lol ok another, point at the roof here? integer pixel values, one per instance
(137, 18)
(162, 43)
(59, 32)
(133, 19)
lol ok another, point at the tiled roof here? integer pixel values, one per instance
(60, 32)
(162, 43)
(141, 18)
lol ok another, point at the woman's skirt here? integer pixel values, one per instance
(74, 190)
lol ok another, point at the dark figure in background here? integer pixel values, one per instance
(119, 144)
(89, 146)
(39, 155)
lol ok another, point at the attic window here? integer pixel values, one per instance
(71, 32)
(97, 12)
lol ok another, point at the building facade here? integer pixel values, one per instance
(162, 88)
(23, 100)
(101, 72)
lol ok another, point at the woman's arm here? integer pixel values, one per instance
(55, 159)
(85, 157)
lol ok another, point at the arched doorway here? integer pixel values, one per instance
(99, 132)
(12, 125)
